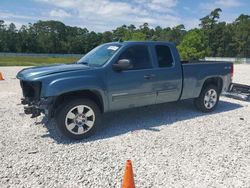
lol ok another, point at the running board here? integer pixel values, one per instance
(238, 91)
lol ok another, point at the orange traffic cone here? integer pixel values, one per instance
(1, 76)
(128, 178)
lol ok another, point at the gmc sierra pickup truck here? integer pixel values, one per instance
(116, 76)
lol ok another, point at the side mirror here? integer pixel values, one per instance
(122, 64)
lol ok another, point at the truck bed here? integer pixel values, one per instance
(196, 72)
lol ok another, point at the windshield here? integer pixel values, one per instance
(99, 55)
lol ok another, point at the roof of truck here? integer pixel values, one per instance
(144, 42)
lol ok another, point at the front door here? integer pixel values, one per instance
(132, 87)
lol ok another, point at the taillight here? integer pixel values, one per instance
(232, 71)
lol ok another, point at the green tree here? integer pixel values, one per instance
(241, 35)
(2, 36)
(192, 46)
(11, 38)
(209, 26)
(177, 33)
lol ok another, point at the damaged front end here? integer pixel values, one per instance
(34, 105)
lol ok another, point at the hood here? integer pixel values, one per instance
(36, 72)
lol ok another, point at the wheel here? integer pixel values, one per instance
(208, 99)
(77, 118)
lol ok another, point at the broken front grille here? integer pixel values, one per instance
(31, 89)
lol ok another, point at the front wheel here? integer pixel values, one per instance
(208, 99)
(77, 118)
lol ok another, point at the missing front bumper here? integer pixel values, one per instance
(32, 110)
(36, 108)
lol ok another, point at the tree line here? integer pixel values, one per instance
(212, 38)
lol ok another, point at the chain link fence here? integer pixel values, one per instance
(232, 59)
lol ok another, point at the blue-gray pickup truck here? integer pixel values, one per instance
(116, 76)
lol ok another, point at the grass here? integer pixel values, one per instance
(34, 61)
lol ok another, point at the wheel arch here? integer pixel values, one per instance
(217, 81)
(93, 95)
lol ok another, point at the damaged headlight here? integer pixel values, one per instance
(31, 89)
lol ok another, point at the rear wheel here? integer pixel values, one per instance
(208, 99)
(78, 118)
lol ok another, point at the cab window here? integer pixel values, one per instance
(164, 56)
(138, 56)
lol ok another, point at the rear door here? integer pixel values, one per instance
(132, 87)
(168, 73)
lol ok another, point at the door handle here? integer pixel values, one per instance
(149, 76)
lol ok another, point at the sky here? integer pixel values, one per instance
(103, 15)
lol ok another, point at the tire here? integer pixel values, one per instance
(77, 118)
(208, 99)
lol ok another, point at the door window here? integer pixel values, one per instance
(138, 56)
(164, 56)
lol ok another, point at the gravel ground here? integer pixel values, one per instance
(170, 145)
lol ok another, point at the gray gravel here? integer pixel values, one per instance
(170, 145)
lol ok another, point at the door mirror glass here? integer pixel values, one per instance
(122, 64)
